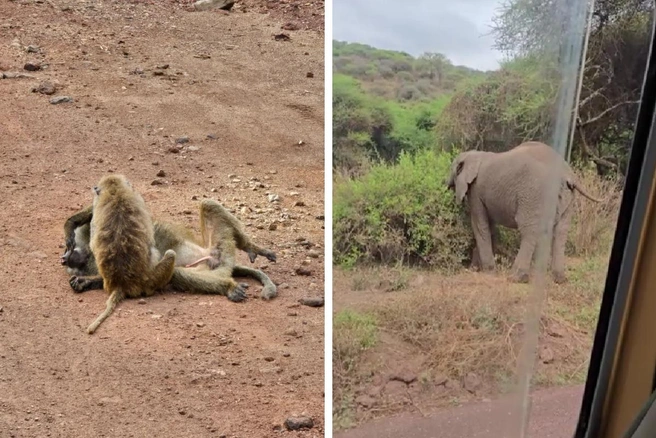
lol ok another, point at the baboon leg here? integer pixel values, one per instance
(268, 291)
(115, 298)
(163, 270)
(80, 218)
(83, 284)
(215, 282)
(217, 222)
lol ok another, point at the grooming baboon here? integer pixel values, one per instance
(122, 240)
(221, 232)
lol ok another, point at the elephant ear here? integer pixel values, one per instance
(469, 166)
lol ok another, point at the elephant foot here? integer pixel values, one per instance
(519, 277)
(559, 277)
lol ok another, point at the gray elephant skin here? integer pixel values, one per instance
(512, 189)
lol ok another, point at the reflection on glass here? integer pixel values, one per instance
(433, 315)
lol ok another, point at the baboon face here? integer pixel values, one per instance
(75, 258)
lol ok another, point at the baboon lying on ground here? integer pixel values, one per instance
(201, 266)
(122, 240)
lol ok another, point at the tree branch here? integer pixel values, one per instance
(587, 151)
(604, 112)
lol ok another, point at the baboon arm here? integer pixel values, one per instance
(80, 218)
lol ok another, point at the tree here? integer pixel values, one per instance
(432, 65)
(613, 73)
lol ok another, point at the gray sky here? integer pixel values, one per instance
(456, 28)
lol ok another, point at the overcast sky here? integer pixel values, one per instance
(458, 28)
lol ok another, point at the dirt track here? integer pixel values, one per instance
(553, 415)
(179, 365)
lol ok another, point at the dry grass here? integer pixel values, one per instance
(593, 224)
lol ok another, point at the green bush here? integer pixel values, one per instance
(401, 212)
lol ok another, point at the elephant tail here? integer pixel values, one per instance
(575, 186)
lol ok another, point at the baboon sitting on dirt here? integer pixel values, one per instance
(122, 240)
(204, 265)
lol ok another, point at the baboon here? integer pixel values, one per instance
(122, 240)
(221, 235)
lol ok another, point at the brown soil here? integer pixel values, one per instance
(179, 365)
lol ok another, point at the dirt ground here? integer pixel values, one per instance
(143, 75)
(481, 315)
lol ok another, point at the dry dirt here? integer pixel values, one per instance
(141, 75)
(403, 373)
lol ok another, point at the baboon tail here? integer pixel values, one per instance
(268, 291)
(115, 298)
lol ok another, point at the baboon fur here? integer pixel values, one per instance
(221, 234)
(122, 240)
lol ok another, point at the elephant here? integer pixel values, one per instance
(512, 189)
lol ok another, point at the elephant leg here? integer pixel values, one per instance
(559, 242)
(481, 228)
(475, 258)
(522, 263)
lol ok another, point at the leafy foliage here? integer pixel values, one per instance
(401, 213)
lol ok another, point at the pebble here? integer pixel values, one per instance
(61, 99)
(182, 140)
(32, 66)
(298, 423)
(312, 302)
(161, 173)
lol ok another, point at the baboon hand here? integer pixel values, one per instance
(237, 295)
(78, 284)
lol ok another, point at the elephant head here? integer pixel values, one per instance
(464, 171)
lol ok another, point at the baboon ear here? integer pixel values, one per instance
(96, 190)
(467, 174)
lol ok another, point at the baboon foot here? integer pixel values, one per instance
(519, 277)
(268, 292)
(559, 277)
(270, 255)
(237, 295)
(80, 284)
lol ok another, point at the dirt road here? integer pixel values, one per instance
(187, 105)
(554, 415)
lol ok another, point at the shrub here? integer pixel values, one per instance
(401, 213)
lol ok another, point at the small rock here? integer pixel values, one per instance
(141, 301)
(163, 66)
(405, 376)
(290, 332)
(290, 26)
(314, 254)
(472, 382)
(157, 182)
(546, 355)
(298, 423)
(61, 99)
(309, 74)
(303, 271)
(269, 358)
(193, 148)
(161, 174)
(156, 316)
(273, 226)
(200, 324)
(366, 401)
(273, 197)
(32, 66)
(158, 73)
(182, 140)
(206, 5)
(312, 302)
(299, 204)
(47, 88)
(32, 49)
(211, 136)
(281, 37)
(174, 149)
